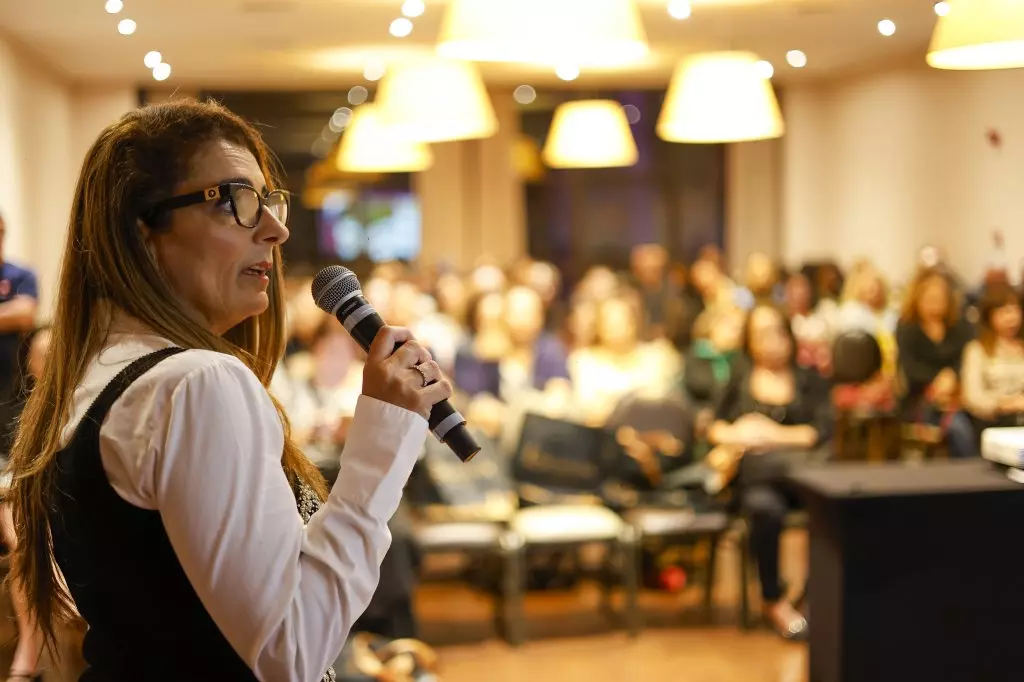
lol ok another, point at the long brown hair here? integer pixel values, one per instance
(994, 298)
(135, 162)
(909, 314)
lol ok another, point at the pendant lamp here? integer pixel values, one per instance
(590, 134)
(369, 145)
(979, 34)
(434, 99)
(719, 97)
(544, 32)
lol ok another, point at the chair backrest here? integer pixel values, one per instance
(673, 415)
(654, 436)
(856, 357)
(562, 457)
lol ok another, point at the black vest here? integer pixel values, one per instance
(146, 623)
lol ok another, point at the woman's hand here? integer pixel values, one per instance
(754, 431)
(943, 387)
(398, 376)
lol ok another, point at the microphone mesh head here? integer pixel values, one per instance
(332, 285)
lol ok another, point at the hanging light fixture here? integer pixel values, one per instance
(720, 97)
(369, 145)
(979, 34)
(545, 32)
(589, 134)
(433, 99)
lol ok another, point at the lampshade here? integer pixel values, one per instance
(719, 97)
(369, 145)
(979, 34)
(433, 99)
(549, 32)
(589, 134)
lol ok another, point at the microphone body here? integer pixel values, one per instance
(341, 297)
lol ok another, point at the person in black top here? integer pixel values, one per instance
(773, 414)
(931, 337)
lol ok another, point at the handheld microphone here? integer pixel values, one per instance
(336, 291)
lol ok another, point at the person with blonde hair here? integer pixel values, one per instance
(157, 492)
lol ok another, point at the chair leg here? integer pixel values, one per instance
(744, 552)
(513, 585)
(629, 550)
(709, 580)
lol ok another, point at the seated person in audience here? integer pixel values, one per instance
(476, 362)
(531, 373)
(709, 364)
(865, 307)
(25, 662)
(931, 338)
(865, 304)
(320, 388)
(773, 415)
(529, 358)
(761, 278)
(619, 363)
(810, 328)
(714, 288)
(993, 364)
(649, 270)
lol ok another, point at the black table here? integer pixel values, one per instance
(916, 572)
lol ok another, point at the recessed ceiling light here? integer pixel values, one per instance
(765, 69)
(679, 9)
(942, 8)
(152, 58)
(887, 27)
(524, 94)
(401, 27)
(374, 71)
(340, 119)
(126, 27)
(113, 6)
(357, 95)
(162, 71)
(796, 59)
(412, 8)
(568, 72)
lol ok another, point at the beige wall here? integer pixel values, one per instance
(880, 165)
(472, 199)
(46, 126)
(753, 205)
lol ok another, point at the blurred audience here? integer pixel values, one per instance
(754, 363)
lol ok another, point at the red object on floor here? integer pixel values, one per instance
(673, 579)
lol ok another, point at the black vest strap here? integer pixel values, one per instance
(97, 412)
(88, 430)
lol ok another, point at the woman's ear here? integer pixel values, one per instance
(146, 234)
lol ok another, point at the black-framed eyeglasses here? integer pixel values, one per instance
(246, 203)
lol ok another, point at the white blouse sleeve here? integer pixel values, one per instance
(284, 595)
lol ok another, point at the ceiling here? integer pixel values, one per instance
(325, 44)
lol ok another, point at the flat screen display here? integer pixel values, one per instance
(382, 225)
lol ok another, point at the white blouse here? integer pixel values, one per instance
(198, 440)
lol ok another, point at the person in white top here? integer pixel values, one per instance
(174, 240)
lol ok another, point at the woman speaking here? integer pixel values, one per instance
(156, 490)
